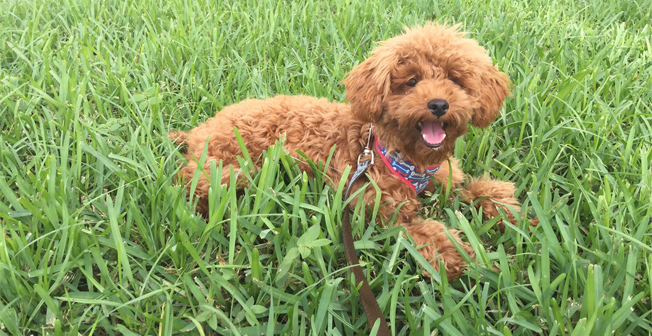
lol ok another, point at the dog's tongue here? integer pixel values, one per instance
(432, 132)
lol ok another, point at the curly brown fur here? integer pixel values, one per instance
(492, 195)
(442, 64)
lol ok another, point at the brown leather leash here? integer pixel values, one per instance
(369, 303)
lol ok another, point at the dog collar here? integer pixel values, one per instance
(405, 170)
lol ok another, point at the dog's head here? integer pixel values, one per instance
(423, 88)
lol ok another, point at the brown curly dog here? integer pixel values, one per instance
(420, 90)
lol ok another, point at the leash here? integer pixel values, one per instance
(369, 303)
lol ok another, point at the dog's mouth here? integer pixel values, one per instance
(432, 133)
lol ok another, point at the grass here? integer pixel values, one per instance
(99, 240)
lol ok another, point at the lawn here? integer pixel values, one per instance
(98, 239)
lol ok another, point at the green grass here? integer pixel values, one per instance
(98, 239)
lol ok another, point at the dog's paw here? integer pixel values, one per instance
(178, 138)
(435, 246)
(493, 195)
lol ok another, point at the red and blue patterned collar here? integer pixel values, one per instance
(406, 170)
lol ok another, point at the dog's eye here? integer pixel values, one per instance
(457, 81)
(412, 82)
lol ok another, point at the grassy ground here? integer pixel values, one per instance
(99, 240)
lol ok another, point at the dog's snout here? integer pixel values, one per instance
(438, 107)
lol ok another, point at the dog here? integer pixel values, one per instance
(420, 91)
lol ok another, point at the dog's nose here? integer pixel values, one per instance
(438, 107)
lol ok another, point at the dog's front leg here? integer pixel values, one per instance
(483, 192)
(434, 245)
(429, 235)
(492, 195)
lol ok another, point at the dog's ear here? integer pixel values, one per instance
(491, 89)
(369, 83)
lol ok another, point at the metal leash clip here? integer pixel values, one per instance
(367, 154)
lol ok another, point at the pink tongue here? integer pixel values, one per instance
(432, 132)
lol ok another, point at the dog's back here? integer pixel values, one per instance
(311, 125)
